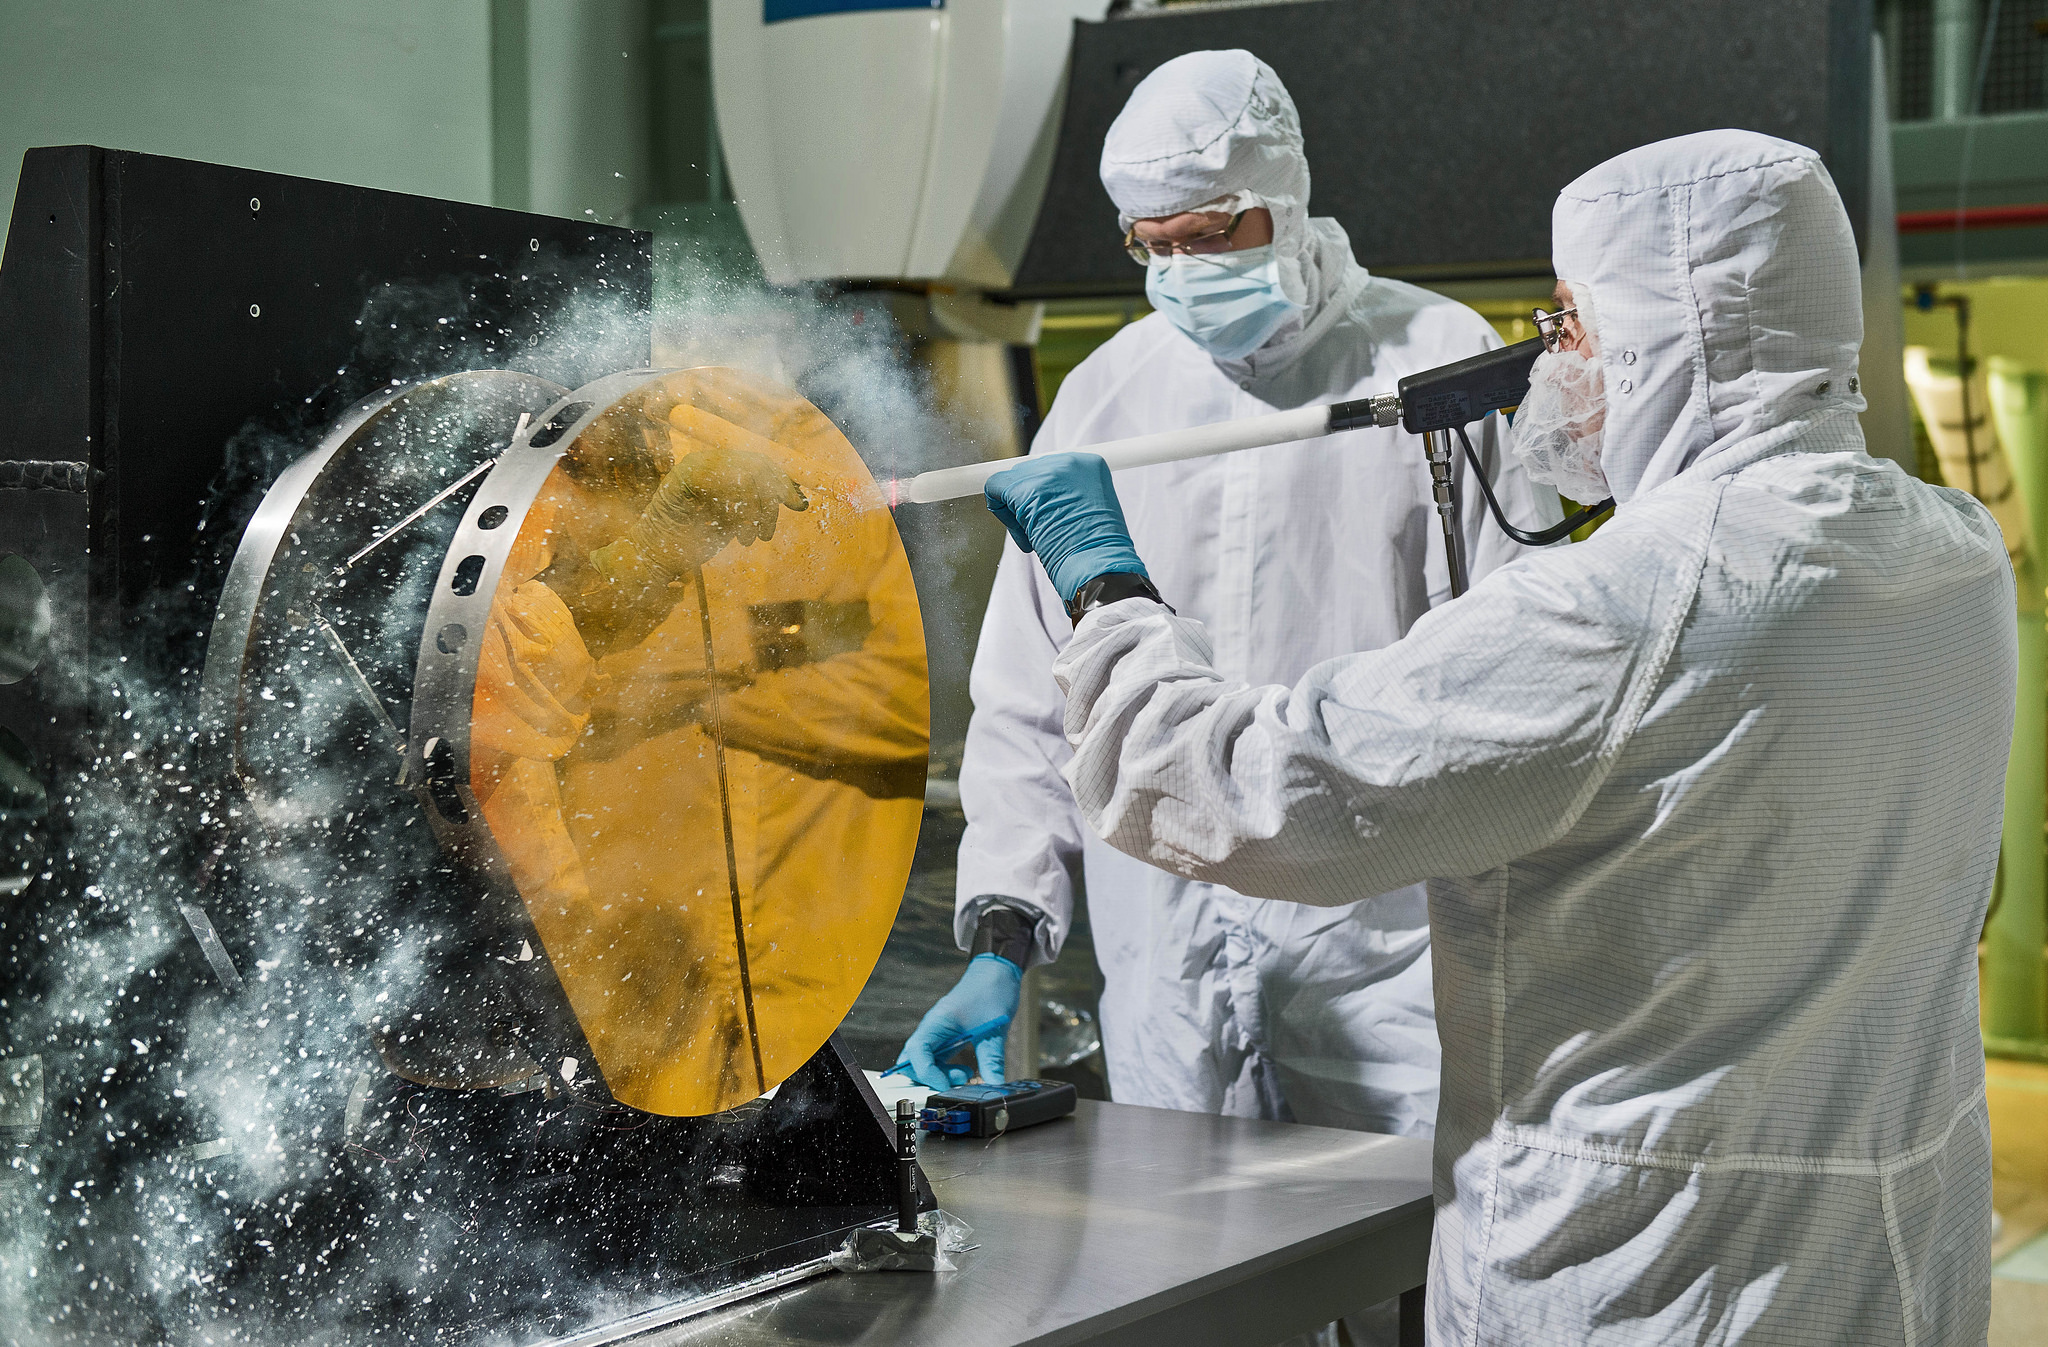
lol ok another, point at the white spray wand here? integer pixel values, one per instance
(1435, 404)
(1170, 446)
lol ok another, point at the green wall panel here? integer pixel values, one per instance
(381, 93)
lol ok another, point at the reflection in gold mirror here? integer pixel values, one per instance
(700, 733)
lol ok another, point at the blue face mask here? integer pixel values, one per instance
(1229, 303)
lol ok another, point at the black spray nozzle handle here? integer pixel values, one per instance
(1449, 395)
(1463, 391)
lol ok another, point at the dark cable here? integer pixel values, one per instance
(1541, 537)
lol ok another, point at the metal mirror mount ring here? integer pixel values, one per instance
(437, 754)
(264, 539)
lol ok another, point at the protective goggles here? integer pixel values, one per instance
(1143, 251)
(1560, 329)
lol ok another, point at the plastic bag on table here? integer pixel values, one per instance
(940, 1235)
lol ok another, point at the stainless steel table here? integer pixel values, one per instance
(1132, 1225)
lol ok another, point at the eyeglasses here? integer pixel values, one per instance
(1142, 251)
(1556, 332)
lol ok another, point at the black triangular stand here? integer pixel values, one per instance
(826, 1138)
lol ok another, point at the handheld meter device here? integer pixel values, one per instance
(991, 1110)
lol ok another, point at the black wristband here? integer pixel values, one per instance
(1110, 587)
(1008, 931)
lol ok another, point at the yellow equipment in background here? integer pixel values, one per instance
(1991, 436)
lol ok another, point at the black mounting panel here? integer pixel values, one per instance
(183, 329)
(172, 335)
(157, 310)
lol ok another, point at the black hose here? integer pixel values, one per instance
(1541, 537)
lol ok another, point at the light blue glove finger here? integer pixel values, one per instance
(985, 998)
(1064, 507)
(917, 1050)
(1001, 510)
(988, 1057)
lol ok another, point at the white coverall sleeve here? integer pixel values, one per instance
(1476, 739)
(1023, 838)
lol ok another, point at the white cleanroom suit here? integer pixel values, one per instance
(1290, 555)
(1724, 786)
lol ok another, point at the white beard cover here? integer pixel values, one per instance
(1557, 428)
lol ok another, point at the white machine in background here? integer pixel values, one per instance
(904, 143)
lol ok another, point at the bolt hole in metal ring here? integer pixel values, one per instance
(467, 574)
(558, 425)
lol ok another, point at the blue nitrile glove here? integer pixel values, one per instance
(986, 996)
(1064, 507)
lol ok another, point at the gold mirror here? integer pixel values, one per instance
(699, 732)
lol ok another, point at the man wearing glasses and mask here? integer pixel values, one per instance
(1291, 555)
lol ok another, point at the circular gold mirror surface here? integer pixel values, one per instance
(701, 745)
